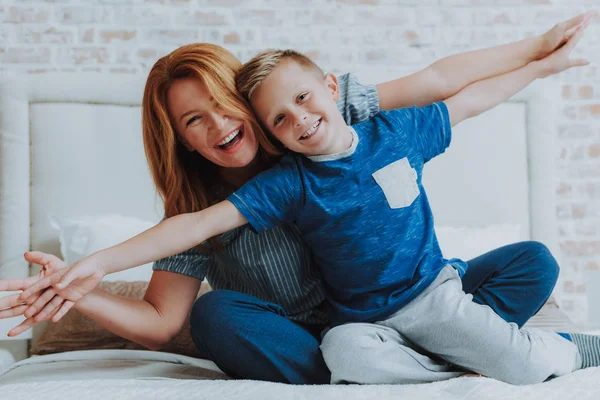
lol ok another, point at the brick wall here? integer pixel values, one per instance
(376, 39)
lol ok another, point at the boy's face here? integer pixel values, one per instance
(298, 107)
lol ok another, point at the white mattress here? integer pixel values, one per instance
(580, 385)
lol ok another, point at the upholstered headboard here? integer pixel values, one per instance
(69, 145)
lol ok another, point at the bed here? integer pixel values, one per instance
(71, 157)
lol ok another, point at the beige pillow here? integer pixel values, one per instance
(75, 331)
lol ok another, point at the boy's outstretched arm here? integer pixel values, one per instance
(486, 94)
(171, 236)
(451, 74)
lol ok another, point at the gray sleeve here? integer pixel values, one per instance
(192, 262)
(358, 102)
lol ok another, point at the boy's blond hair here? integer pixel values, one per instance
(254, 72)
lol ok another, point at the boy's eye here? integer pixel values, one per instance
(302, 97)
(192, 120)
(277, 119)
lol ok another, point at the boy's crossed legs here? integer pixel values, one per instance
(444, 321)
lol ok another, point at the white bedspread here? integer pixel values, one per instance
(579, 385)
(56, 377)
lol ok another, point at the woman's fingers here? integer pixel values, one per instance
(49, 309)
(9, 285)
(28, 324)
(13, 311)
(40, 258)
(22, 327)
(40, 303)
(42, 284)
(10, 301)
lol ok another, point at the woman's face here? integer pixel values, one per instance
(207, 128)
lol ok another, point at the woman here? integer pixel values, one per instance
(264, 317)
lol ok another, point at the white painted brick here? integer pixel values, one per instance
(8, 33)
(478, 37)
(83, 55)
(401, 54)
(241, 3)
(21, 14)
(170, 36)
(408, 2)
(468, 3)
(144, 15)
(25, 55)
(393, 16)
(256, 17)
(83, 15)
(47, 35)
(201, 17)
(276, 37)
(443, 16)
(545, 16)
(117, 2)
(495, 16)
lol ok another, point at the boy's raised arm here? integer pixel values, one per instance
(451, 74)
(486, 94)
(171, 236)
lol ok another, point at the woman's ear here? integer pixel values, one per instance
(332, 84)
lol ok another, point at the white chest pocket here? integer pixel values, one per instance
(398, 181)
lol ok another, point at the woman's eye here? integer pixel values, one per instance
(192, 120)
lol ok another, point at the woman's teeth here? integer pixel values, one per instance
(312, 130)
(229, 138)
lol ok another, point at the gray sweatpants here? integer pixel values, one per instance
(442, 334)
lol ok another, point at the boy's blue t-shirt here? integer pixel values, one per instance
(363, 212)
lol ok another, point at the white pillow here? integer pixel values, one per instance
(82, 236)
(467, 243)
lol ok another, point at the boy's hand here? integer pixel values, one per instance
(562, 32)
(560, 60)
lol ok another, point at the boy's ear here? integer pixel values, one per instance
(332, 84)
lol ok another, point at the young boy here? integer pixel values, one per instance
(355, 193)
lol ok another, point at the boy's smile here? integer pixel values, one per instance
(298, 107)
(312, 131)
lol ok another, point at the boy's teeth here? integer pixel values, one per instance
(312, 129)
(229, 138)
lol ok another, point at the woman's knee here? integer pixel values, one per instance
(210, 311)
(544, 265)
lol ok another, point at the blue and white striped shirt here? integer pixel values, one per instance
(275, 265)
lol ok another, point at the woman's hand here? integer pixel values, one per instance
(560, 33)
(47, 301)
